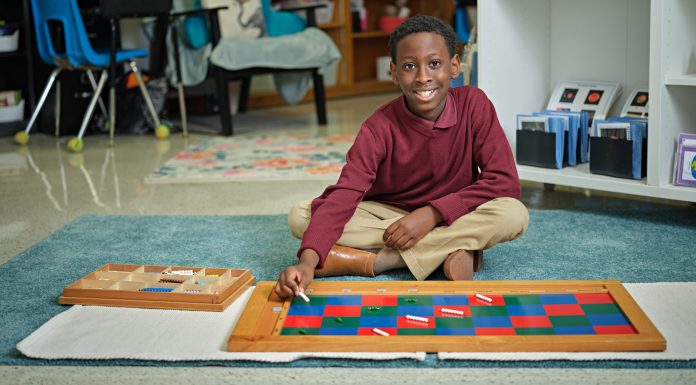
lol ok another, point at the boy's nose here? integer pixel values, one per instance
(423, 75)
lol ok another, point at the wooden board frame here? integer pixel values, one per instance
(258, 329)
(103, 287)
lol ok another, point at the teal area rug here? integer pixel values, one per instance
(632, 246)
(257, 158)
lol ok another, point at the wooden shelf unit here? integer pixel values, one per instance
(357, 71)
(526, 47)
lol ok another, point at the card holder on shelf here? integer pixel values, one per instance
(541, 149)
(542, 141)
(618, 157)
(618, 147)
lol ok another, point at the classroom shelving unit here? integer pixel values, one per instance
(527, 46)
(356, 73)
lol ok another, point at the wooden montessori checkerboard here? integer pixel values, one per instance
(447, 316)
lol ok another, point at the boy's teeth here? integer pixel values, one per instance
(425, 93)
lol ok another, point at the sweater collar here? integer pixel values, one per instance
(447, 118)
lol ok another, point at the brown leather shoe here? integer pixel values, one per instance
(343, 260)
(461, 265)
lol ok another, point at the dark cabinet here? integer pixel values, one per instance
(17, 67)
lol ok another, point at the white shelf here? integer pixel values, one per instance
(527, 46)
(684, 80)
(581, 177)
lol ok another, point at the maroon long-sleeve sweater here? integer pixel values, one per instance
(455, 164)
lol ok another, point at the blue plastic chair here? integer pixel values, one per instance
(281, 23)
(79, 55)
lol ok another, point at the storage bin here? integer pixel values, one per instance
(9, 38)
(539, 149)
(617, 158)
(12, 113)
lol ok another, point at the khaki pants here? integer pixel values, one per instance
(496, 221)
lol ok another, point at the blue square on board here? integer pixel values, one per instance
(557, 299)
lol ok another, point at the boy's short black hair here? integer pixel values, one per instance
(423, 23)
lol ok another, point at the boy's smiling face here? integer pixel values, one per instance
(423, 71)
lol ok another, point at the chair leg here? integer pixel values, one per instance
(56, 109)
(102, 106)
(223, 94)
(179, 81)
(182, 109)
(244, 95)
(146, 95)
(319, 96)
(42, 100)
(112, 114)
(92, 104)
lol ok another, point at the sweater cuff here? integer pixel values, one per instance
(450, 207)
(318, 247)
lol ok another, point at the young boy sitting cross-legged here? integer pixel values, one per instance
(429, 181)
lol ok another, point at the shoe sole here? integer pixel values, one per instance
(459, 266)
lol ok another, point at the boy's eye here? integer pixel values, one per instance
(409, 66)
(435, 63)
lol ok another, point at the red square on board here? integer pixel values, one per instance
(494, 331)
(405, 323)
(498, 300)
(536, 321)
(569, 309)
(300, 321)
(439, 313)
(370, 332)
(618, 329)
(588, 298)
(341, 311)
(379, 300)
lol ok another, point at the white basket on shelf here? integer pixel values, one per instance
(12, 113)
(9, 43)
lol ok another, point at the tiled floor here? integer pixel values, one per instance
(44, 187)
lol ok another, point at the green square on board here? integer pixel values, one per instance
(522, 300)
(299, 331)
(453, 322)
(600, 308)
(488, 310)
(569, 320)
(415, 300)
(313, 300)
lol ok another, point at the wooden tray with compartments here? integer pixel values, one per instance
(159, 287)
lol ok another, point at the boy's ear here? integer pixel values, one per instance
(456, 65)
(392, 72)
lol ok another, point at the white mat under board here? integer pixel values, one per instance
(670, 306)
(101, 333)
(104, 333)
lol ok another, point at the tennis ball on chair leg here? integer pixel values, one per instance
(21, 137)
(75, 145)
(162, 132)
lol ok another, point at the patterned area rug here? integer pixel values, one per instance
(257, 158)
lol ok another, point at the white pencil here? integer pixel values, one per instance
(304, 297)
(380, 332)
(484, 298)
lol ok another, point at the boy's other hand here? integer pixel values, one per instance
(410, 229)
(295, 279)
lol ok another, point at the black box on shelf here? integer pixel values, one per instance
(537, 148)
(615, 157)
